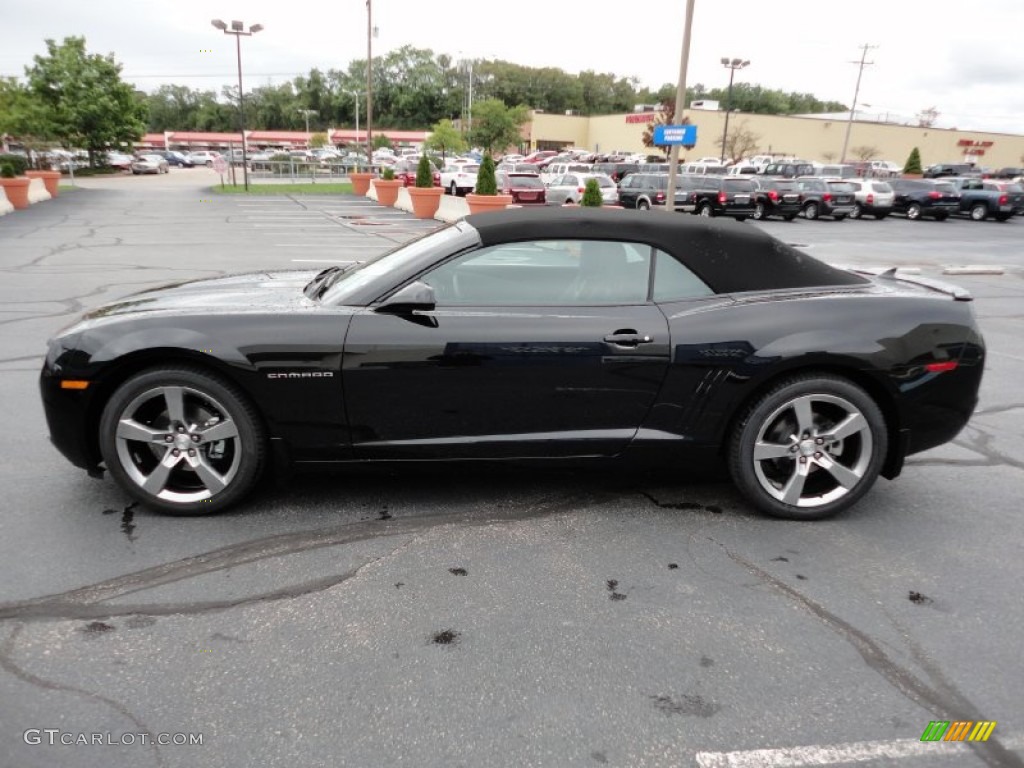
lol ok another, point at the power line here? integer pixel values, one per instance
(856, 92)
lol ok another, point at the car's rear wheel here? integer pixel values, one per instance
(453, 190)
(808, 448)
(914, 211)
(979, 212)
(643, 205)
(209, 163)
(758, 211)
(857, 211)
(705, 210)
(811, 211)
(182, 440)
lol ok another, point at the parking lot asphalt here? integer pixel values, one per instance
(461, 617)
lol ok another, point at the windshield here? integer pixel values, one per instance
(343, 284)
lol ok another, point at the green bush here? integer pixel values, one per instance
(592, 194)
(18, 162)
(486, 182)
(424, 173)
(913, 162)
(6, 170)
(388, 173)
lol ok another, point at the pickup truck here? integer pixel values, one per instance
(981, 199)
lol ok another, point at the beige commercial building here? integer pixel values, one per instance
(809, 138)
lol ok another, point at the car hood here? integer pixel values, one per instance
(254, 291)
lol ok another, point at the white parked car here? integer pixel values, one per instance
(203, 157)
(709, 161)
(459, 178)
(873, 197)
(568, 189)
(553, 171)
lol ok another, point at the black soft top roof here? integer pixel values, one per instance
(730, 256)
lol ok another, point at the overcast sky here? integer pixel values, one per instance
(964, 59)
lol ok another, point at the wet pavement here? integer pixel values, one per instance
(521, 617)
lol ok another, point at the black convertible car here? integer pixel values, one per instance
(554, 335)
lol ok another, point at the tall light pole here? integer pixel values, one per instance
(856, 91)
(732, 65)
(355, 97)
(238, 30)
(673, 153)
(370, 31)
(306, 113)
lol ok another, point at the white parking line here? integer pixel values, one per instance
(333, 246)
(834, 754)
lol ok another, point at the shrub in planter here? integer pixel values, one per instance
(387, 187)
(592, 195)
(7, 170)
(486, 197)
(14, 187)
(425, 197)
(18, 162)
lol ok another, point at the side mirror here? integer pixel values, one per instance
(416, 295)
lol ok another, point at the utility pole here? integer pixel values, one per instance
(856, 92)
(369, 82)
(673, 154)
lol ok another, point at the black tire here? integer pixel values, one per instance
(773, 422)
(914, 211)
(209, 163)
(453, 190)
(759, 212)
(705, 209)
(203, 476)
(857, 211)
(979, 212)
(811, 211)
(643, 205)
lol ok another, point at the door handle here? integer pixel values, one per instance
(627, 339)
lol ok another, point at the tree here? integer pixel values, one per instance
(926, 117)
(22, 114)
(496, 126)
(87, 104)
(591, 195)
(486, 181)
(740, 142)
(665, 117)
(318, 140)
(424, 173)
(913, 164)
(865, 153)
(445, 137)
(380, 141)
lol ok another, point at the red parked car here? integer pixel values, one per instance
(525, 188)
(405, 172)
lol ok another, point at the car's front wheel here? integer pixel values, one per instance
(808, 448)
(182, 440)
(811, 211)
(758, 211)
(914, 211)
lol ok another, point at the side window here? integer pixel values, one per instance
(673, 281)
(545, 272)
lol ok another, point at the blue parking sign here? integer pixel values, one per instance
(675, 134)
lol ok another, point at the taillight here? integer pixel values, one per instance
(773, 194)
(934, 195)
(870, 198)
(1003, 199)
(721, 197)
(947, 365)
(827, 197)
(659, 196)
(581, 189)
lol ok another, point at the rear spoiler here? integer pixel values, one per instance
(958, 293)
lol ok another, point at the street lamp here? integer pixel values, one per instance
(371, 32)
(355, 97)
(306, 113)
(732, 65)
(238, 30)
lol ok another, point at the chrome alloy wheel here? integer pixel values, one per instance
(812, 450)
(178, 444)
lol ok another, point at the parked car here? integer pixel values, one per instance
(149, 163)
(458, 178)
(203, 157)
(821, 197)
(1015, 191)
(405, 172)
(788, 170)
(119, 160)
(525, 188)
(984, 199)
(775, 197)
(554, 170)
(1008, 173)
(568, 188)
(917, 198)
(950, 169)
(174, 158)
(872, 197)
(724, 196)
(563, 333)
(648, 190)
(617, 171)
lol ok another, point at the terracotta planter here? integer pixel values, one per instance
(50, 178)
(425, 201)
(912, 175)
(17, 190)
(486, 203)
(387, 191)
(360, 182)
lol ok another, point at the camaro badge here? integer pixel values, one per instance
(302, 375)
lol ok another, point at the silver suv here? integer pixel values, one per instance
(872, 198)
